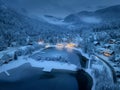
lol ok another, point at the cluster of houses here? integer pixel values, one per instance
(13, 53)
(111, 53)
(106, 49)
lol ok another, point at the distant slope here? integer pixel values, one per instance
(15, 27)
(112, 12)
(53, 20)
(106, 14)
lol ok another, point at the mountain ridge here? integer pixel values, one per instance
(112, 12)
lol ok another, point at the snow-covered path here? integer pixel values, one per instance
(111, 69)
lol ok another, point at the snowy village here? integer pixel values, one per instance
(41, 51)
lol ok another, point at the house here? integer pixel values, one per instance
(108, 53)
(107, 46)
(96, 43)
(112, 41)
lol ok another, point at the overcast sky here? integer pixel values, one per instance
(63, 7)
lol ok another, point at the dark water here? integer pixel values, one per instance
(28, 78)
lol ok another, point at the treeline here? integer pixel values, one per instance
(17, 30)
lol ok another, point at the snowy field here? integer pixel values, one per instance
(47, 66)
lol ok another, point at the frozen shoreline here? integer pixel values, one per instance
(46, 65)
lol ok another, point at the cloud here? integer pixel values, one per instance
(63, 7)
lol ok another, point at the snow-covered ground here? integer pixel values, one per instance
(8, 50)
(46, 65)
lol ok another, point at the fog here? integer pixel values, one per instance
(60, 8)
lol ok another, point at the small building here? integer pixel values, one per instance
(112, 41)
(108, 53)
(96, 43)
(107, 46)
(60, 46)
(71, 45)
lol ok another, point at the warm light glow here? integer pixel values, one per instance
(60, 46)
(107, 54)
(70, 45)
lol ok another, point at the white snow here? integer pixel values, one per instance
(82, 53)
(8, 51)
(46, 65)
(12, 65)
(49, 65)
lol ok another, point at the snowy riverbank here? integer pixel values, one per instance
(46, 65)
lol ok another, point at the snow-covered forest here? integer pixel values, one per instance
(94, 34)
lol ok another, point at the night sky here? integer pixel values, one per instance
(61, 7)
